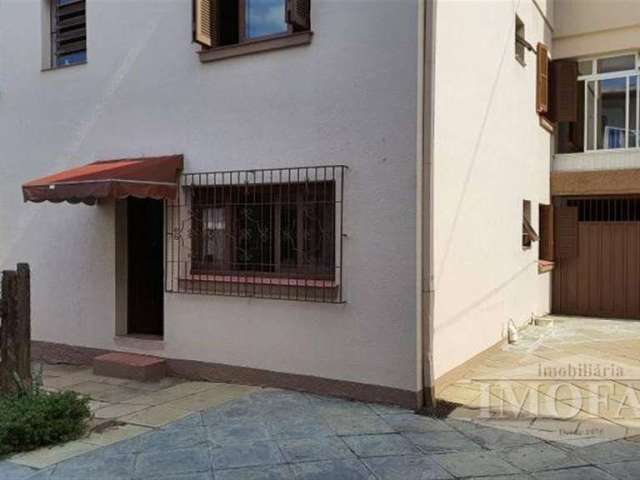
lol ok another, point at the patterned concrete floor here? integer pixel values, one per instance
(508, 421)
(273, 434)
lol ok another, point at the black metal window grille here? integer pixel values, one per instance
(68, 32)
(268, 233)
(605, 209)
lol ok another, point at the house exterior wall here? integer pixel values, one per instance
(489, 154)
(593, 27)
(348, 98)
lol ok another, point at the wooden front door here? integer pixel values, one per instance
(597, 270)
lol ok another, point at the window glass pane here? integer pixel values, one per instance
(289, 236)
(585, 67)
(611, 113)
(213, 236)
(255, 238)
(62, 3)
(616, 64)
(265, 17)
(590, 93)
(633, 109)
(71, 58)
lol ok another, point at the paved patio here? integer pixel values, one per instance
(199, 430)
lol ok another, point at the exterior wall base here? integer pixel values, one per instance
(215, 372)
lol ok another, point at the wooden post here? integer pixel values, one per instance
(15, 332)
(7, 342)
(23, 325)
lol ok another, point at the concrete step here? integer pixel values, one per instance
(130, 365)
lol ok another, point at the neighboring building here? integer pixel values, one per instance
(319, 196)
(596, 168)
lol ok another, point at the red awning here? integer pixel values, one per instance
(149, 177)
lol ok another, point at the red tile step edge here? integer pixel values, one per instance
(143, 368)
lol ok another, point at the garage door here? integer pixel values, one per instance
(597, 269)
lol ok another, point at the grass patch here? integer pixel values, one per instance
(35, 418)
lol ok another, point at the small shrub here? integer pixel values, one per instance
(34, 418)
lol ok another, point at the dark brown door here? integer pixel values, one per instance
(145, 220)
(601, 277)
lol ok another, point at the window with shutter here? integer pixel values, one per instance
(299, 14)
(237, 27)
(68, 32)
(203, 22)
(520, 41)
(546, 249)
(542, 80)
(565, 90)
(529, 234)
(566, 232)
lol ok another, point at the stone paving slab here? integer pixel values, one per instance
(248, 444)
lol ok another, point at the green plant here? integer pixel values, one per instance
(34, 418)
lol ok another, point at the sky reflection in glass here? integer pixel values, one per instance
(265, 17)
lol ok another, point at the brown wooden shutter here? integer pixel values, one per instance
(566, 232)
(299, 14)
(546, 250)
(203, 22)
(564, 74)
(542, 80)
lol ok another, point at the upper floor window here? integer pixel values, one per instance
(68, 32)
(598, 103)
(249, 24)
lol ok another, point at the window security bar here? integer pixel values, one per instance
(268, 233)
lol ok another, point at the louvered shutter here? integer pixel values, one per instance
(299, 14)
(565, 90)
(566, 232)
(546, 233)
(204, 22)
(542, 80)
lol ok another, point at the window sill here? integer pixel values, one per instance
(62, 67)
(545, 266)
(259, 280)
(255, 46)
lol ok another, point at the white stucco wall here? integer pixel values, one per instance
(489, 155)
(348, 98)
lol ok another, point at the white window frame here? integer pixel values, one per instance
(630, 76)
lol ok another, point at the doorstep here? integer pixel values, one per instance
(132, 366)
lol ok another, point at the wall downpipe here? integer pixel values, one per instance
(424, 221)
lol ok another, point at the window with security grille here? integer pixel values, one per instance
(68, 32)
(260, 233)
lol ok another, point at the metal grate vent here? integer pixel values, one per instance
(606, 209)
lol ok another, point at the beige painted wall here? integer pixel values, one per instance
(489, 154)
(592, 27)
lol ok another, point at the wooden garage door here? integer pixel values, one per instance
(597, 257)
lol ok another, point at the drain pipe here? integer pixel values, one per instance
(424, 199)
